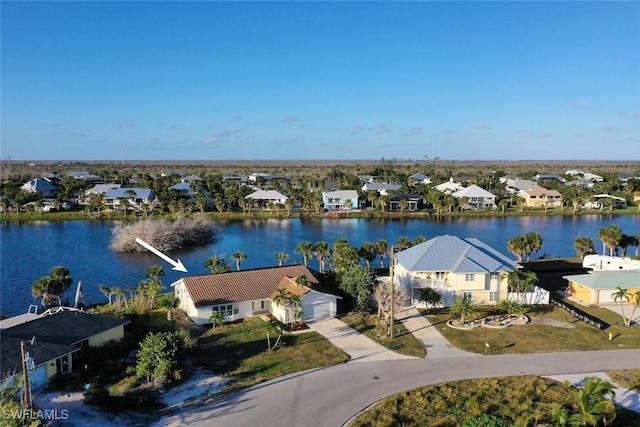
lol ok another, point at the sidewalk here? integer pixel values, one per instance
(352, 342)
(428, 334)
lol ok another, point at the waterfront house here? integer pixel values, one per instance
(601, 200)
(55, 341)
(264, 197)
(134, 196)
(477, 198)
(340, 200)
(414, 202)
(538, 196)
(101, 189)
(454, 267)
(598, 287)
(247, 293)
(41, 186)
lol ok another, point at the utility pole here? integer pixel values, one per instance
(393, 291)
(26, 393)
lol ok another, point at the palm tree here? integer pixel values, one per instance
(53, 285)
(217, 264)
(463, 307)
(584, 246)
(418, 240)
(503, 203)
(282, 257)
(270, 326)
(155, 272)
(321, 251)
(403, 243)
(368, 252)
(383, 249)
(217, 318)
(594, 404)
(509, 306)
(296, 303)
(533, 243)
(238, 257)
(517, 246)
(430, 296)
(305, 249)
(623, 295)
(610, 237)
(283, 298)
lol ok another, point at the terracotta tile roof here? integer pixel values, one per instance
(289, 283)
(237, 286)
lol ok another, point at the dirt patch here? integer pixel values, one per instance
(552, 322)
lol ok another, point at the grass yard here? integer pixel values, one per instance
(240, 350)
(404, 343)
(524, 400)
(627, 378)
(541, 338)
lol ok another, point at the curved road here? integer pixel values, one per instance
(332, 396)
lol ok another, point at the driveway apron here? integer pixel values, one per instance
(352, 342)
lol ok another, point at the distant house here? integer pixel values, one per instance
(267, 196)
(419, 178)
(506, 178)
(382, 189)
(454, 267)
(183, 188)
(87, 176)
(236, 179)
(101, 189)
(55, 342)
(548, 177)
(134, 196)
(414, 202)
(254, 177)
(600, 200)
(538, 196)
(597, 287)
(242, 294)
(330, 185)
(366, 179)
(191, 179)
(41, 186)
(515, 185)
(477, 198)
(449, 187)
(340, 200)
(579, 183)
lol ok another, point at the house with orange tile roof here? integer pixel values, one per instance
(248, 293)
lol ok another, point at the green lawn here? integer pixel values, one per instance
(404, 342)
(541, 338)
(240, 350)
(525, 401)
(627, 378)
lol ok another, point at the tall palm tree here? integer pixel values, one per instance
(283, 298)
(53, 285)
(305, 249)
(610, 236)
(282, 257)
(368, 252)
(533, 243)
(623, 295)
(403, 243)
(217, 264)
(383, 249)
(584, 246)
(238, 257)
(517, 246)
(155, 272)
(321, 251)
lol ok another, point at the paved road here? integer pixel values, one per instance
(331, 396)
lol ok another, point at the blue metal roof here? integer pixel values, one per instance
(454, 254)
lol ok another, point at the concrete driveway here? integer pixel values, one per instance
(352, 342)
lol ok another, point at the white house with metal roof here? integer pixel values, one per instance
(340, 199)
(267, 196)
(454, 267)
(134, 196)
(477, 197)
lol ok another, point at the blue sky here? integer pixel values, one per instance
(310, 80)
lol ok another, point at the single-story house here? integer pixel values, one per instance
(247, 293)
(548, 177)
(610, 263)
(598, 287)
(599, 201)
(477, 197)
(340, 199)
(454, 266)
(449, 186)
(267, 196)
(419, 178)
(183, 188)
(41, 186)
(54, 342)
(87, 176)
(135, 196)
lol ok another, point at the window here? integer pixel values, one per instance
(227, 309)
(440, 275)
(469, 277)
(495, 275)
(493, 296)
(467, 296)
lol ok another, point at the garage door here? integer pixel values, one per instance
(605, 296)
(316, 311)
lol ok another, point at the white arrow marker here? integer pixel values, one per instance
(176, 265)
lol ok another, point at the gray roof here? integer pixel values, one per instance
(454, 254)
(141, 193)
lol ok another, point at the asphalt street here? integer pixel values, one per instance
(332, 396)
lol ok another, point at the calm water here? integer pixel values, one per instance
(29, 251)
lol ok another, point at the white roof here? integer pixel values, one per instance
(267, 195)
(473, 191)
(342, 194)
